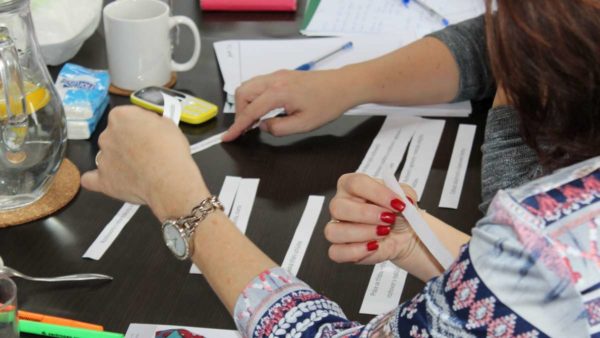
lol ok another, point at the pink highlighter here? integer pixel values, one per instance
(249, 5)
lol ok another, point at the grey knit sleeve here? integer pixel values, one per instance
(467, 42)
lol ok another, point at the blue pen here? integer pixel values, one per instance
(429, 10)
(310, 65)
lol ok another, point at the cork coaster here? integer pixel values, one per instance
(63, 189)
(126, 92)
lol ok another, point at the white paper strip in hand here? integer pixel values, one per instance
(419, 225)
(171, 108)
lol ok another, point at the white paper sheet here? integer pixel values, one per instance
(111, 231)
(259, 57)
(421, 153)
(241, 207)
(241, 60)
(228, 56)
(455, 177)
(419, 225)
(384, 290)
(389, 146)
(297, 250)
(149, 331)
(352, 17)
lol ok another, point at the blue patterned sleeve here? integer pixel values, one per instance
(278, 304)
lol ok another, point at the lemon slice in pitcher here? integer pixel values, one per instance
(36, 98)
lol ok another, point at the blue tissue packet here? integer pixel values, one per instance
(83, 129)
(82, 90)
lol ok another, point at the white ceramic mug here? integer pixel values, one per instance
(138, 43)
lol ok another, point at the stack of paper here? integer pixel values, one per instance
(410, 21)
(241, 60)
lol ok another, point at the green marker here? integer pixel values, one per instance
(59, 331)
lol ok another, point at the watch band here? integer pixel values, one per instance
(199, 213)
(187, 224)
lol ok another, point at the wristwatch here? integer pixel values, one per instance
(178, 233)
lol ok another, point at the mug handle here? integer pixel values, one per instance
(183, 20)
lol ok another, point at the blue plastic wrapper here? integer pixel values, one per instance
(83, 129)
(82, 90)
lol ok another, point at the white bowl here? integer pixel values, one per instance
(62, 26)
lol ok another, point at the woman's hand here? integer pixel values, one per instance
(366, 228)
(145, 159)
(310, 99)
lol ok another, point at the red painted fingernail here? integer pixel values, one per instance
(387, 217)
(398, 204)
(383, 230)
(410, 200)
(372, 246)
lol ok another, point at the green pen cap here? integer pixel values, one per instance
(59, 331)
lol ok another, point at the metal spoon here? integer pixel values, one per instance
(9, 272)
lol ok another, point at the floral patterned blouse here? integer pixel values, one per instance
(531, 269)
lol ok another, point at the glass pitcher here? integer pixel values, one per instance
(32, 121)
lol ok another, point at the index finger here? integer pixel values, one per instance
(245, 119)
(367, 188)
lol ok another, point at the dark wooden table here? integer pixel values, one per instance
(151, 286)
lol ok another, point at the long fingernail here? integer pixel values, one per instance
(410, 200)
(387, 217)
(372, 246)
(398, 204)
(383, 230)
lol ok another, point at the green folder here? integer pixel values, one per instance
(309, 12)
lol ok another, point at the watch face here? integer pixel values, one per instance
(174, 240)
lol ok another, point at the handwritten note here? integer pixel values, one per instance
(352, 17)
